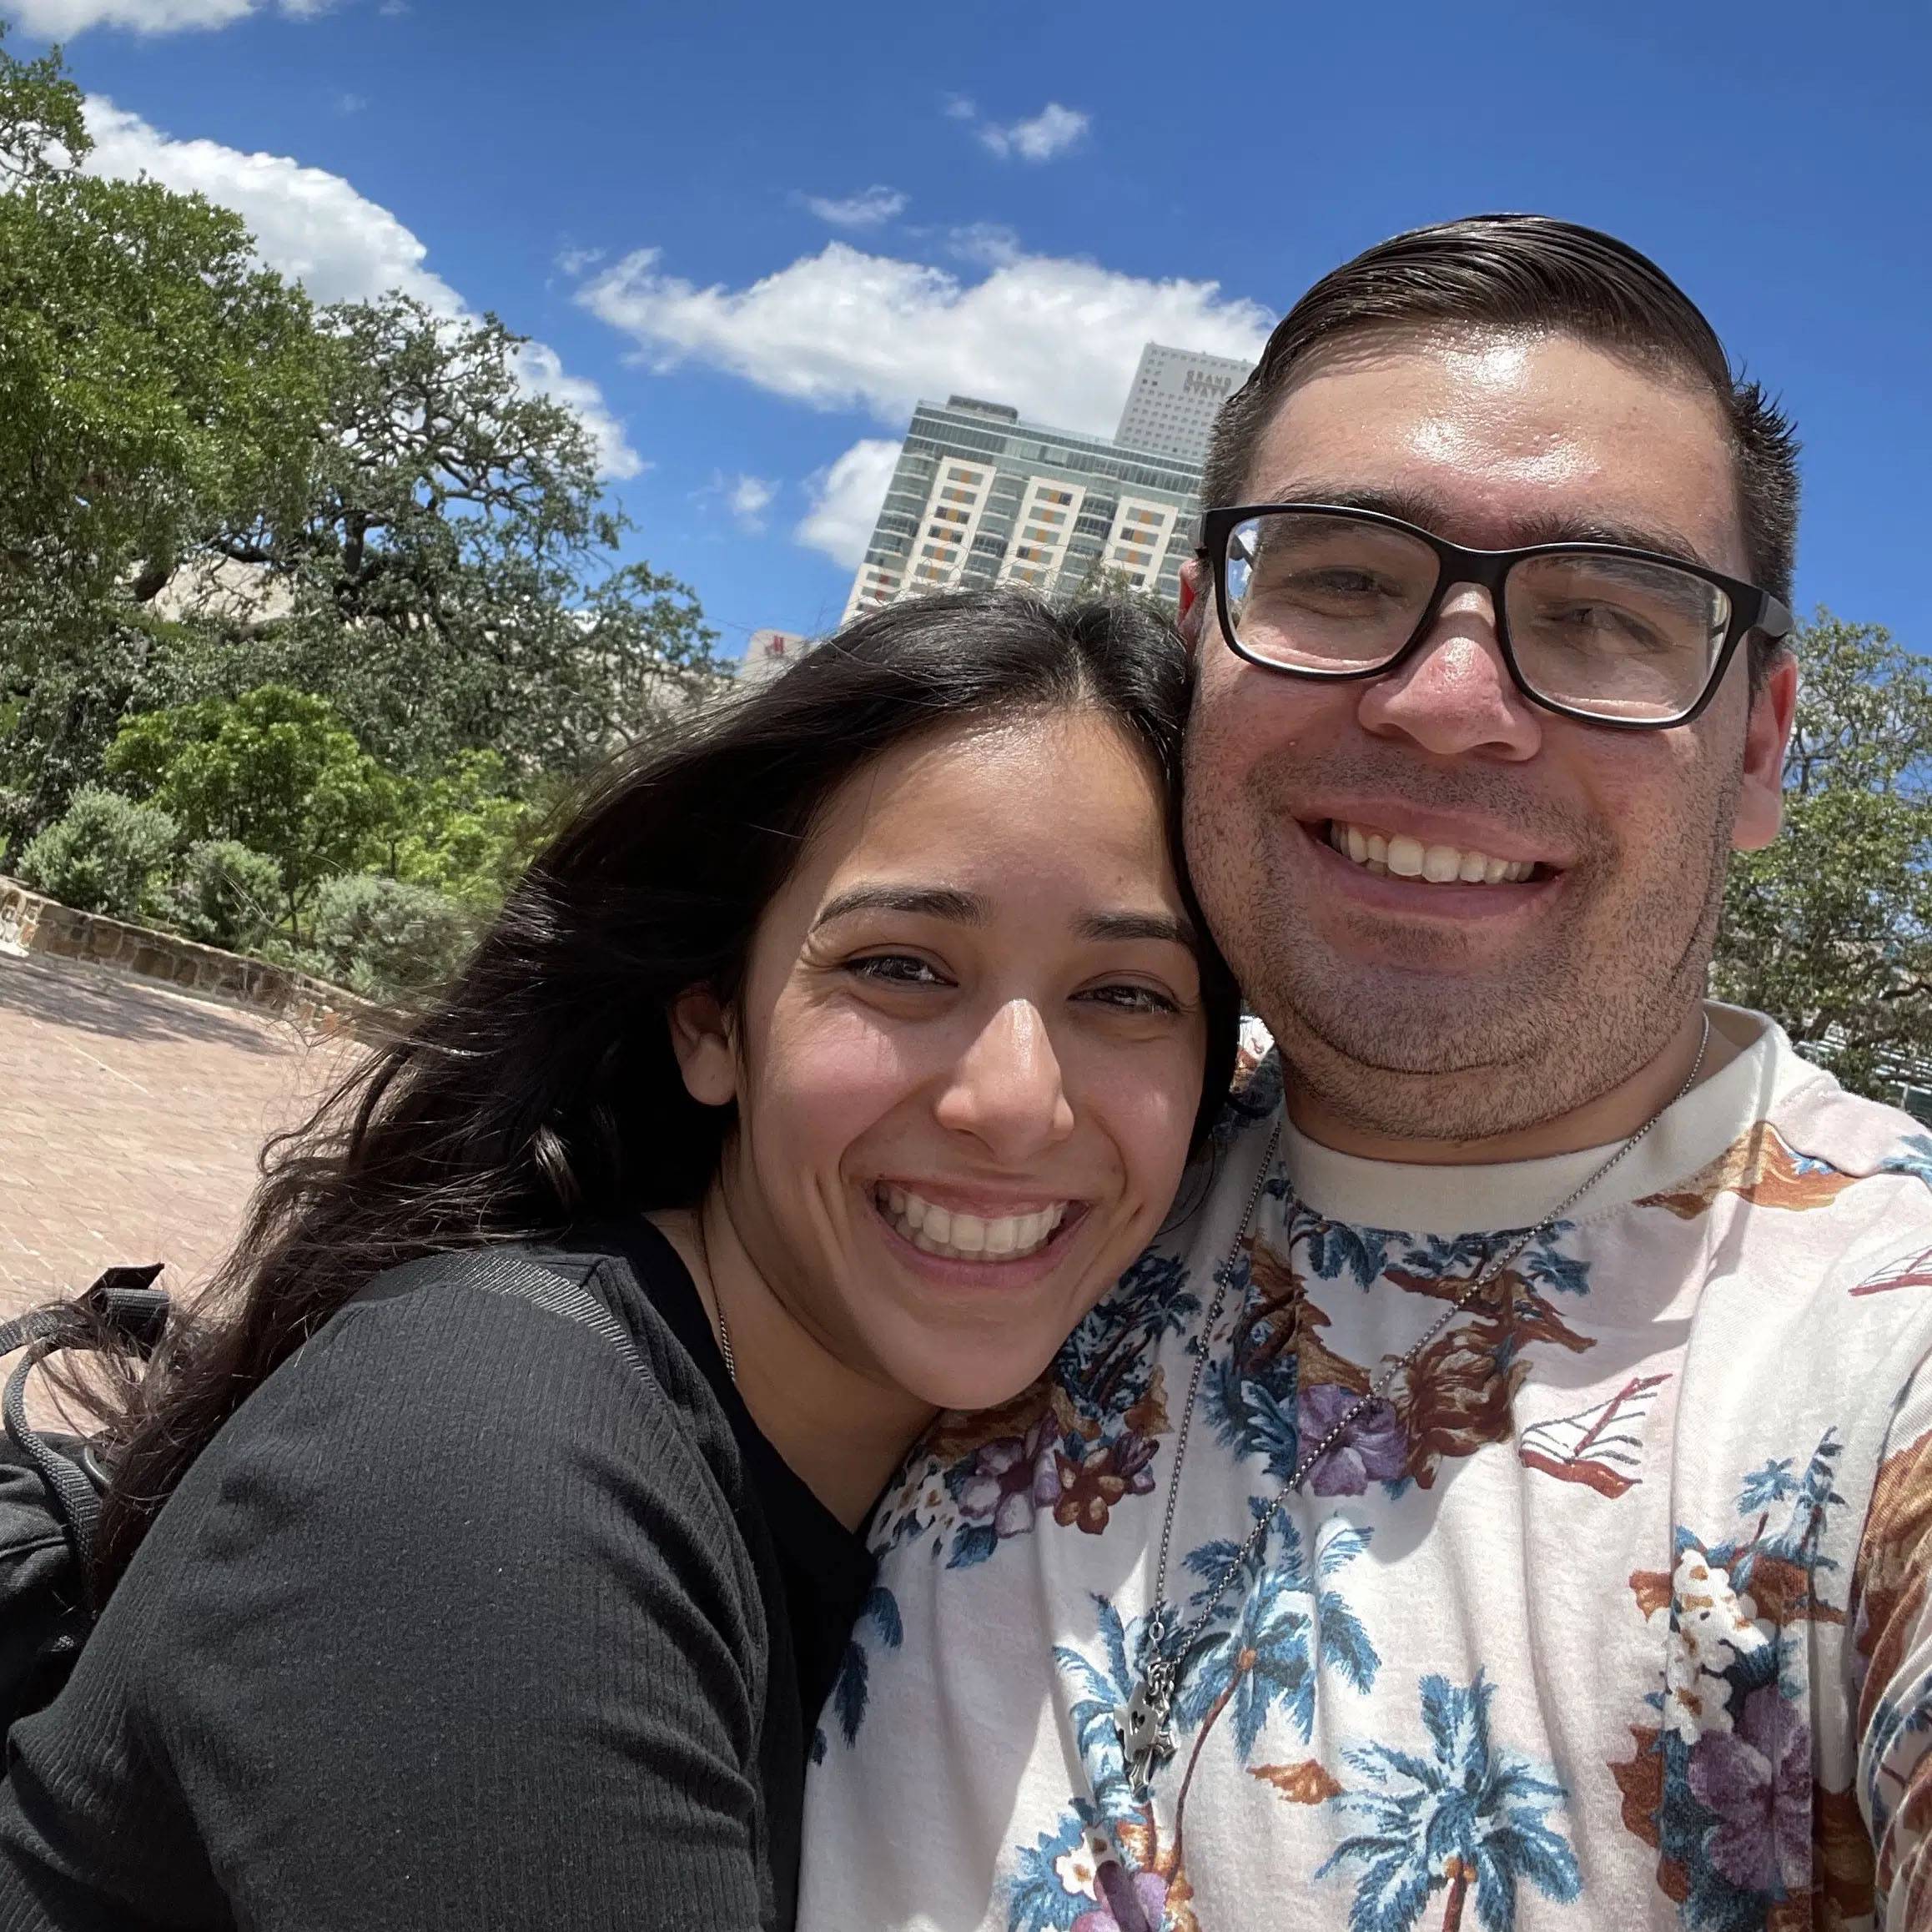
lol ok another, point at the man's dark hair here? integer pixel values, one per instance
(1529, 272)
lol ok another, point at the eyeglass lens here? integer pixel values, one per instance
(1616, 636)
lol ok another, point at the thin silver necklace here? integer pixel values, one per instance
(724, 1342)
(1144, 1722)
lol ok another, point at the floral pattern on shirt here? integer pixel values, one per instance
(1276, 1389)
(1721, 1784)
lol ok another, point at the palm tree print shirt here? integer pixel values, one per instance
(1612, 1615)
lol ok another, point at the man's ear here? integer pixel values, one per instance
(701, 1036)
(1191, 607)
(1761, 797)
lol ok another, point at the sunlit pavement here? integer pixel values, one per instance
(131, 1121)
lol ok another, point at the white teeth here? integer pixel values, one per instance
(1405, 858)
(965, 1237)
(1409, 858)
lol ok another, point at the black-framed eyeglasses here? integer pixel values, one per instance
(1627, 638)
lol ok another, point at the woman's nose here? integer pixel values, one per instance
(1006, 1088)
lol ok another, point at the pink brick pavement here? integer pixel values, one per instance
(131, 1118)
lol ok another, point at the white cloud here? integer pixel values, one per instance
(1052, 131)
(572, 262)
(311, 224)
(315, 227)
(749, 497)
(1059, 339)
(991, 243)
(61, 19)
(867, 208)
(961, 108)
(845, 502)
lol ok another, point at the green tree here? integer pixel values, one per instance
(276, 769)
(465, 831)
(451, 580)
(371, 502)
(155, 379)
(1829, 929)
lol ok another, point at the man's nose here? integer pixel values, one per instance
(1006, 1089)
(1456, 697)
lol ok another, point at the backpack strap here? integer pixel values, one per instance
(136, 1311)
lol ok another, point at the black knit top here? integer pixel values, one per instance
(459, 1622)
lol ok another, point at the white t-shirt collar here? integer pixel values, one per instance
(1462, 1200)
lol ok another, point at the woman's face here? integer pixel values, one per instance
(967, 1056)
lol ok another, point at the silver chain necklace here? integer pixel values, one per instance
(1143, 1722)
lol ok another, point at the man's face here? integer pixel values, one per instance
(1452, 1010)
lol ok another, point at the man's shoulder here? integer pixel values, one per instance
(1872, 1162)
(1825, 1195)
(1817, 1116)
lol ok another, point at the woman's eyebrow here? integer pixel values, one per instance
(931, 902)
(1137, 926)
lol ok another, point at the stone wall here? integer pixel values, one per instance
(32, 926)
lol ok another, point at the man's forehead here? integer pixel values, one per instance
(1503, 440)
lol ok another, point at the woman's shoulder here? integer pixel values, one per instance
(538, 1386)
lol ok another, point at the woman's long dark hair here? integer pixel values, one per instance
(541, 1088)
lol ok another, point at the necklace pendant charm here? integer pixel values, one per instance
(1146, 1737)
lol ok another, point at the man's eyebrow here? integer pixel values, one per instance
(1165, 926)
(1550, 527)
(930, 902)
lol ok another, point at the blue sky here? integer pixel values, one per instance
(747, 235)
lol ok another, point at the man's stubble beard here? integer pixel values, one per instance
(1413, 1053)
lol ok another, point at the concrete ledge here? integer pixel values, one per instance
(31, 926)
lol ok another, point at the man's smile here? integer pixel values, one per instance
(1406, 857)
(1425, 873)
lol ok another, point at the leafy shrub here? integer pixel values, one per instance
(275, 768)
(224, 895)
(466, 830)
(103, 856)
(384, 938)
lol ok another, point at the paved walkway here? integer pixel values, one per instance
(131, 1120)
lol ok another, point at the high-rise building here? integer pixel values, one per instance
(979, 497)
(1175, 397)
(769, 652)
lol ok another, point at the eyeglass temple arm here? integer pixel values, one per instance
(1774, 619)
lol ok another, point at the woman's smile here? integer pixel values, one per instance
(993, 1242)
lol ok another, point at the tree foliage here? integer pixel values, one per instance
(450, 581)
(276, 770)
(1829, 929)
(155, 380)
(464, 831)
(207, 485)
